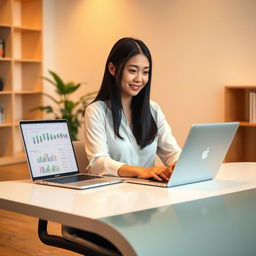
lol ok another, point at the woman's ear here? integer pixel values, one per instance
(111, 68)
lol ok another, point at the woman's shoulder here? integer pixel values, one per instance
(156, 111)
(96, 107)
(154, 106)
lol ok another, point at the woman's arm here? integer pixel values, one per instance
(159, 173)
(167, 149)
(96, 142)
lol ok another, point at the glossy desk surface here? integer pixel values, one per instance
(110, 210)
(221, 225)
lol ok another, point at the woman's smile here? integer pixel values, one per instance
(135, 87)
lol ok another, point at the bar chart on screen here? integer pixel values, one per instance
(47, 169)
(47, 137)
(46, 158)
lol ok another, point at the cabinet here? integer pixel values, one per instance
(21, 71)
(243, 147)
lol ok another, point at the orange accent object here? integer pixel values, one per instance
(1, 48)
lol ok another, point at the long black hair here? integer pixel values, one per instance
(144, 127)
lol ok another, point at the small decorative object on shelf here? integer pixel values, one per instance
(1, 84)
(1, 48)
(2, 115)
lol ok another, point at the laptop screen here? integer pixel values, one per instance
(49, 148)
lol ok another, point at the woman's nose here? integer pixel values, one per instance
(138, 77)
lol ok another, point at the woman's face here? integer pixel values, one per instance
(135, 76)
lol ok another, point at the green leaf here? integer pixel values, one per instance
(69, 105)
(71, 87)
(47, 109)
(49, 80)
(59, 83)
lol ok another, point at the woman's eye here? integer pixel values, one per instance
(146, 72)
(132, 70)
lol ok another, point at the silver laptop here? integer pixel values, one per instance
(51, 158)
(204, 151)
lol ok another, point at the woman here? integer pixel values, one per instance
(124, 130)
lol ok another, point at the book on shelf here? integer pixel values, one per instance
(2, 48)
(252, 107)
(2, 115)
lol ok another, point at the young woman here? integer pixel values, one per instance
(124, 130)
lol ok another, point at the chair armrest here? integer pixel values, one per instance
(90, 240)
(61, 242)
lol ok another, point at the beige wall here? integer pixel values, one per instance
(198, 46)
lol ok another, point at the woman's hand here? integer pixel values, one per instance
(159, 173)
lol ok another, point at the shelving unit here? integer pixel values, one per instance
(21, 70)
(243, 148)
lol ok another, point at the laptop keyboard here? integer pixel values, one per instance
(75, 178)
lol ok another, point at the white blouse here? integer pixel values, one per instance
(107, 153)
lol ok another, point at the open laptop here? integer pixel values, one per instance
(204, 151)
(51, 158)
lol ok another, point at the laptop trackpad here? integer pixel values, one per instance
(72, 179)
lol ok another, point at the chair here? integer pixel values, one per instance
(72, 239)
(81, 156)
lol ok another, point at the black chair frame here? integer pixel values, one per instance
(88, 243)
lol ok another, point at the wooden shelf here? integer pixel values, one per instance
(247, 124)
(20, 29)
(21, 70)
(5, 25)
(5, 92)
(5, 59)
(243, 147)
(241, 87)
(6, 125)
(27, 92)
(27, 60)
(22, 0)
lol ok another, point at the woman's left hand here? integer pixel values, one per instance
(172, 166)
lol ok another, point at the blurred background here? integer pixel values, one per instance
(198, 47)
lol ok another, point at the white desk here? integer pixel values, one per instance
(93, 209)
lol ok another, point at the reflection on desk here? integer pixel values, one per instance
(221, 225)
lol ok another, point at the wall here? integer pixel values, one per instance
(198, 47)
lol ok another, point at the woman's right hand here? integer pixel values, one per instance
(159, 173)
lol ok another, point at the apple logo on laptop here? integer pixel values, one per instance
(205, 153)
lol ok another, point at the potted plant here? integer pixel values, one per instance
(64, 107)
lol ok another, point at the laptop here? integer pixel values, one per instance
(51, 158)
(204, 151)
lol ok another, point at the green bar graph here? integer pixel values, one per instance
(44, 137)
